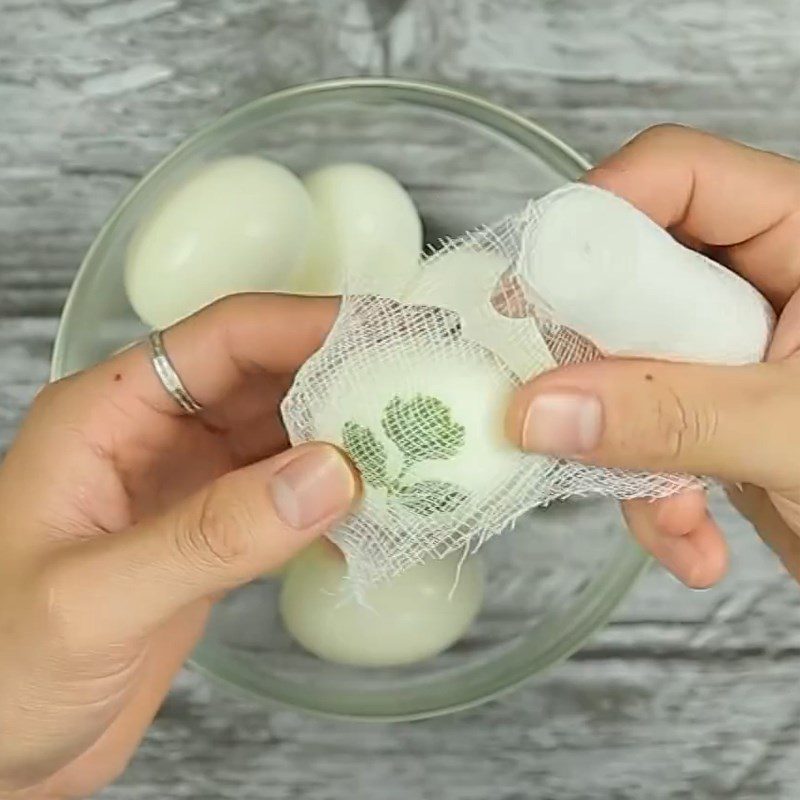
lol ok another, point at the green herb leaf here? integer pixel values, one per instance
(423, 428)
(368, 454)
(432, 497)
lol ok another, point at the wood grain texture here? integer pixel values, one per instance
(685, 694)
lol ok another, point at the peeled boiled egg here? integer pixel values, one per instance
(238, 224)
(404, 402)
(469, 282)
(368, 234)
(412, 617)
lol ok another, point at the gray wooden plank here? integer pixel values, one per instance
(25, 345)
(598, 72)
(615, 728)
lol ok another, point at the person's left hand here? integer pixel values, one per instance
(738, 424)
(124, 518)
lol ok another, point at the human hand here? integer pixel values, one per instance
(739, 424)
(124, 518)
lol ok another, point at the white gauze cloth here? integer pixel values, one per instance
(415, 387)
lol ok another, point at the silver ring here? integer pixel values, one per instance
(169, 378)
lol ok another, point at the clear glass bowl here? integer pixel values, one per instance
(556, 577)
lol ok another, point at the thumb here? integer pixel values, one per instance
(242, 525)
(736, 423)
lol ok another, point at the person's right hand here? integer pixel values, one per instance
(739, 424)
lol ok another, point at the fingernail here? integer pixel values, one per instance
(315, 486)
(562, 424)
(683, 564)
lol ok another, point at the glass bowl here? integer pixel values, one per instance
(551, 581)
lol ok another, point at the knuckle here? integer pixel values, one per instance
(218, 535)
(681, 428)
(664, 133)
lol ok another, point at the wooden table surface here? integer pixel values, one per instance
(685, 694)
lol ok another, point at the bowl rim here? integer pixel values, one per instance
(570, 636)
(631, 561)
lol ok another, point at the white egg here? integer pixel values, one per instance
(408, 619)
(466, 383)
(239, 224)
(368, 234)
(465, 281)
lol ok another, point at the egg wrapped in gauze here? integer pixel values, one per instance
(420, 412)
(415, 389)
(606, 270)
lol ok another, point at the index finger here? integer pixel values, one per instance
(218, 349)
(720, 193)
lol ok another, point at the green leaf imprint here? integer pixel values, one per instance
(422, 428)
(432, 497)
(368, 454)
